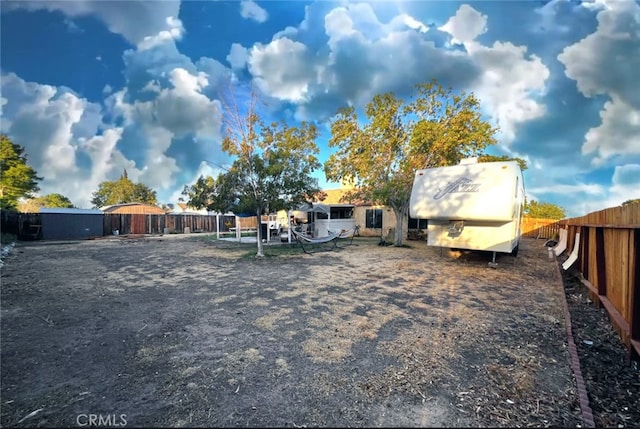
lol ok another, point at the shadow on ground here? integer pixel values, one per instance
(192, 332)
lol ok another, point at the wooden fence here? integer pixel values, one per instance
(156, 224)
(539, 228)
(173, 223)
(609, 265)
(21, 225)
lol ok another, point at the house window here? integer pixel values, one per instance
(373, 218)
(341, 213)
(417, 223)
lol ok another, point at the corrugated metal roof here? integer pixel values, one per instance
(70, 211)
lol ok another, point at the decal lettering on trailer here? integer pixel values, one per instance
(462, 184)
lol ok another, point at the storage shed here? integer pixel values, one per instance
(132, 208)
(70, 224)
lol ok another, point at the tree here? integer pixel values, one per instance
(201, 193)
(494, 158)
(631, 201)
(33, 205)
(435, 128)
(123, 191)
(168, 208)
(543, 210)
(271, 170)
(143, 194)
(17, 179)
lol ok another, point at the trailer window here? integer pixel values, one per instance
(373, 218)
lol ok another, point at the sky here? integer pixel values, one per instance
(90, 88)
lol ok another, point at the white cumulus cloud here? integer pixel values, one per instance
(281, 69)
(466, 25)
(510, 83)
(606, 63)
(134, 20)
(50, 123)
(365, 56)
(174, 31)
(625, 185)
(618, 133)
(250, 10)
(238, 56)
(168, 122)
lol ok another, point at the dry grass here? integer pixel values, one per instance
(403, 330)
(272, 320)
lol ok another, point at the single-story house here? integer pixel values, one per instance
(375, 220)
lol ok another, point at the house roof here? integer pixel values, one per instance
(335, 197)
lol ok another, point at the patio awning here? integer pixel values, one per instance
(315, 208)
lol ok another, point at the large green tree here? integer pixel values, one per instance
(540, 210)
(33, 205)
(435, 128)
(122, 191)
(495, 158)
(631, 201)
(17, 179)
(201, 193)
(271, 169)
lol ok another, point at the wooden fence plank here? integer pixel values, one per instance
(585, 239)
(601, 271)
(614, 288)
(608, 262)
(634, 325)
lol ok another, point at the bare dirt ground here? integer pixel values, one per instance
(185, 331)
(613, 385)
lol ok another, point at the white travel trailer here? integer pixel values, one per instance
(472, 205)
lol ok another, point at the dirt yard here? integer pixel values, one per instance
(188, 331)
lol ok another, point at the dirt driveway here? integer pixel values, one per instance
(185, 331)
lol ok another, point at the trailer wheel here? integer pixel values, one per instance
(514, 252)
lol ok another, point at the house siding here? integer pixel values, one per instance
(66, 226)
(388, 221)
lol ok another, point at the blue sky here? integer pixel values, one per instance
(90, 88)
